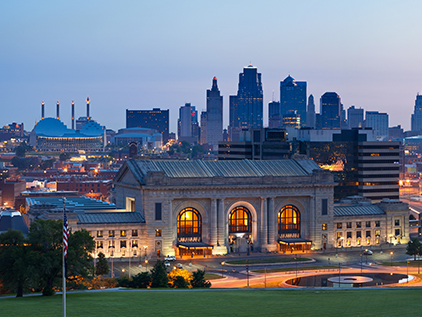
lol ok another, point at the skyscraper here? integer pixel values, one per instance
(330, 110)
(249, 99)
(293, 97)
(214, 115)
(152, 119)
(379, 123)
(310, 115)
(354, 117)
(274, 117)
(417, 114)
(188, 128)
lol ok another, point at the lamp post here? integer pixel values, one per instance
(222, 263)
(391, 263)
(146, 264)
(366, 256)
(145, 248)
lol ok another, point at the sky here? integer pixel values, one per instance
(161, 54)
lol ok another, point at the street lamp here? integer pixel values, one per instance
(222, 263)
(366, 256)
(391, 263)
(146, 263)
(145, 248)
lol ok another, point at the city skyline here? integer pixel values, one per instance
(144, 55)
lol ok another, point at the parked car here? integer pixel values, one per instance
(367, 252)
(170, 258)
(167, 263)
(179, 266)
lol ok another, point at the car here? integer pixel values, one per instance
(367, 252)
(179, 266)
(170, 258)
(167, 263)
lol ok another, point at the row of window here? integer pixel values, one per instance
(123, 244)
(358, 224)
(349, 234)
(124, 233)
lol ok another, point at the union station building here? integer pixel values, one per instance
(218, 207)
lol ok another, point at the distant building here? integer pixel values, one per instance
(291, 120)
(417, 114)
(293, 98)
(274, 117)
(11, 219)
(395, 133)
(9, 191)
(13, 130)
(355, 117)
(379, 123)
(214, 116)
(310, 115)
(330, 111)
(144, 137)
(188, 127)
(156, 119)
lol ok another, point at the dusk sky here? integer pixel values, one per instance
(161, 54)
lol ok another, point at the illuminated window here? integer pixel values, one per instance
(348, 242)
(377, 241)
(123, 233)
(134, 244)
(111, 244)
(99, 244)
(339, 225)
(123, 244)
(189, 223)
(358, 242)
(111, 233)
(158, 232)
(324, 226)
(240, 220)
(368, 241)
(339, 235)
(134, 233)
(99, 234)
(378, 232)
(289, 219)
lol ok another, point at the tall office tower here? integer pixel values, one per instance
(343, 122)
(274, 118)
(214, 131)
(379, 123)
(330, 111)
(291, 120)
(417, 114)
(188, 127)
(233, 128)
(354, 117)
(310, 115)
(203, 139)
(293, 97)
(152, 119)
(250, 98)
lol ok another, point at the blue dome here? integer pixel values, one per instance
(51, 127)
(92, 128)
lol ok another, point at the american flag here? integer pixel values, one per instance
(65, 235)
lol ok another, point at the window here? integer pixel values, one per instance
(99, 233)
(349, 225)
(158, 232)
(368, 234)
(289, 219)
(358, 224)
(397, 232)
(134, 233)
(358, 234)
(339, 235)
(111, 233)
(349, 235)
(377, 224)
(123, 233)
(397, 222)
(240, 220)
(339, 225)
(123, 252)
(123, 244)
(324, 226)
(157, 211)
(358, 242)
(111, 244)
(134, 244)
(99, 244)
(368, 241)
(377, 241)
(189, 223)
(378, 232)
(130, 204)
(324, 206)
(368, 224)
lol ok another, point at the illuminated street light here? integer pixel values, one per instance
(222, 263)
(391, 263)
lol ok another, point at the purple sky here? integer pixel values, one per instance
(139, 55)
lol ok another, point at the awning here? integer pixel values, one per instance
(294, 241)
(195, 245)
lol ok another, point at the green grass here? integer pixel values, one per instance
(300, 268)
(403, 263)
(379, 302)
(212, 276)
(268, 260)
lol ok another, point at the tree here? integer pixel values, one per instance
(179, 278)
(413, 247)
(13, 261)
(185, 147)
(141, 280)
(64, 156)
(198, 280)
(45, 237)
(102, 267)
(197, 149)
(159, 275)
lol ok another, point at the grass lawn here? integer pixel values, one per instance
(212, 276)
(403, 263)
(300, 268)
(268, 260)
(359, 302)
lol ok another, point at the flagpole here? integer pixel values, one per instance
(64, 269)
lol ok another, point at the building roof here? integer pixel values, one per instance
(358, 210)
(72, 203)
(10, 219)
(244, 168)
(109, 217)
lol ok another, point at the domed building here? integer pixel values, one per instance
(51, 134)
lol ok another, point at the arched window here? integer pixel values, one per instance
(189, 223)
(289, 219)
(240, 220)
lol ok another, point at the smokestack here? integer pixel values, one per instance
(42, 110)
(58, 110)
(87, 108)
(73, 114)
